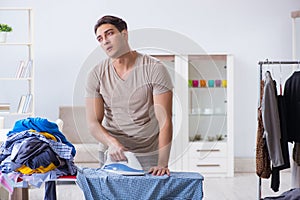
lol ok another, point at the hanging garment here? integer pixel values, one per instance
(284, 134)
(292, 99)
(271, 122)
(275, 180)
(263, 163)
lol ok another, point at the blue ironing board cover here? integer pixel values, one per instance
(100, 184)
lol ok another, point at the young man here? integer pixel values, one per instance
(129, 100)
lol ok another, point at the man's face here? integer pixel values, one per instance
(113, 42)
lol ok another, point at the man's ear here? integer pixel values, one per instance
(124, 33)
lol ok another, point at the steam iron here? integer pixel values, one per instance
(131, 167)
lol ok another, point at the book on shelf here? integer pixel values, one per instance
(21, 104)
(24, 69)
(27, 71)
(4, 107)
(20, 69)
(25, 103)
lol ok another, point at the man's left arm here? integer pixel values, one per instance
(163, 113)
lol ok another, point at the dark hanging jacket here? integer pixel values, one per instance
(292, 101)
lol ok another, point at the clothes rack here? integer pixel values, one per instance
(269, 64)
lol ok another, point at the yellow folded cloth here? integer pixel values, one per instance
(27, 170)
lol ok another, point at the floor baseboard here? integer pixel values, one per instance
(248, 165)
(244, 165)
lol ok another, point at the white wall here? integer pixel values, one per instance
(250, 30)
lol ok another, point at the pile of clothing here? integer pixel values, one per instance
(35, 147)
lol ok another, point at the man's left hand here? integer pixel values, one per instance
(159, 171)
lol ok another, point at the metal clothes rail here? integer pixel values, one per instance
(268, 63)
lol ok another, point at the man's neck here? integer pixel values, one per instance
(126, 61)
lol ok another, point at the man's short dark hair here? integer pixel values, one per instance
(119, 23)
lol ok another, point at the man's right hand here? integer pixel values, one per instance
(116, 151)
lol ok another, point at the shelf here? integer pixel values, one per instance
(208, 142)
(207, 88)
(209, 100)
(15, 8)
(221, 114)
(15, 113)
(16, 44)
(202, 113)
(19, 91)
(16, 79)
(214, 57)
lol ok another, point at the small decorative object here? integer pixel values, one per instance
(218, 83)
(207, 111)
(218, 110)
(197, 137)
(190, 83)
(219, 137)
(4, 29)
(210, 138)
(195, 83)
(202, 83)
(196, 111)
(224, 83)
(211, 83)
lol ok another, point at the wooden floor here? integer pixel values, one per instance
(243, 186)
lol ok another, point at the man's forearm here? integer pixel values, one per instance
(165, 143)
(99, 133)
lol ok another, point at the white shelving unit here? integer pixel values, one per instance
(205, 111)
(17, 48)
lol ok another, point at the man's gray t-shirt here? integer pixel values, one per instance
(128, 104)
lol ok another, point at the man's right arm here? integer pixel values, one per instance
(95, 115)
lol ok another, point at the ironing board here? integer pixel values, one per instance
(99, 184)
